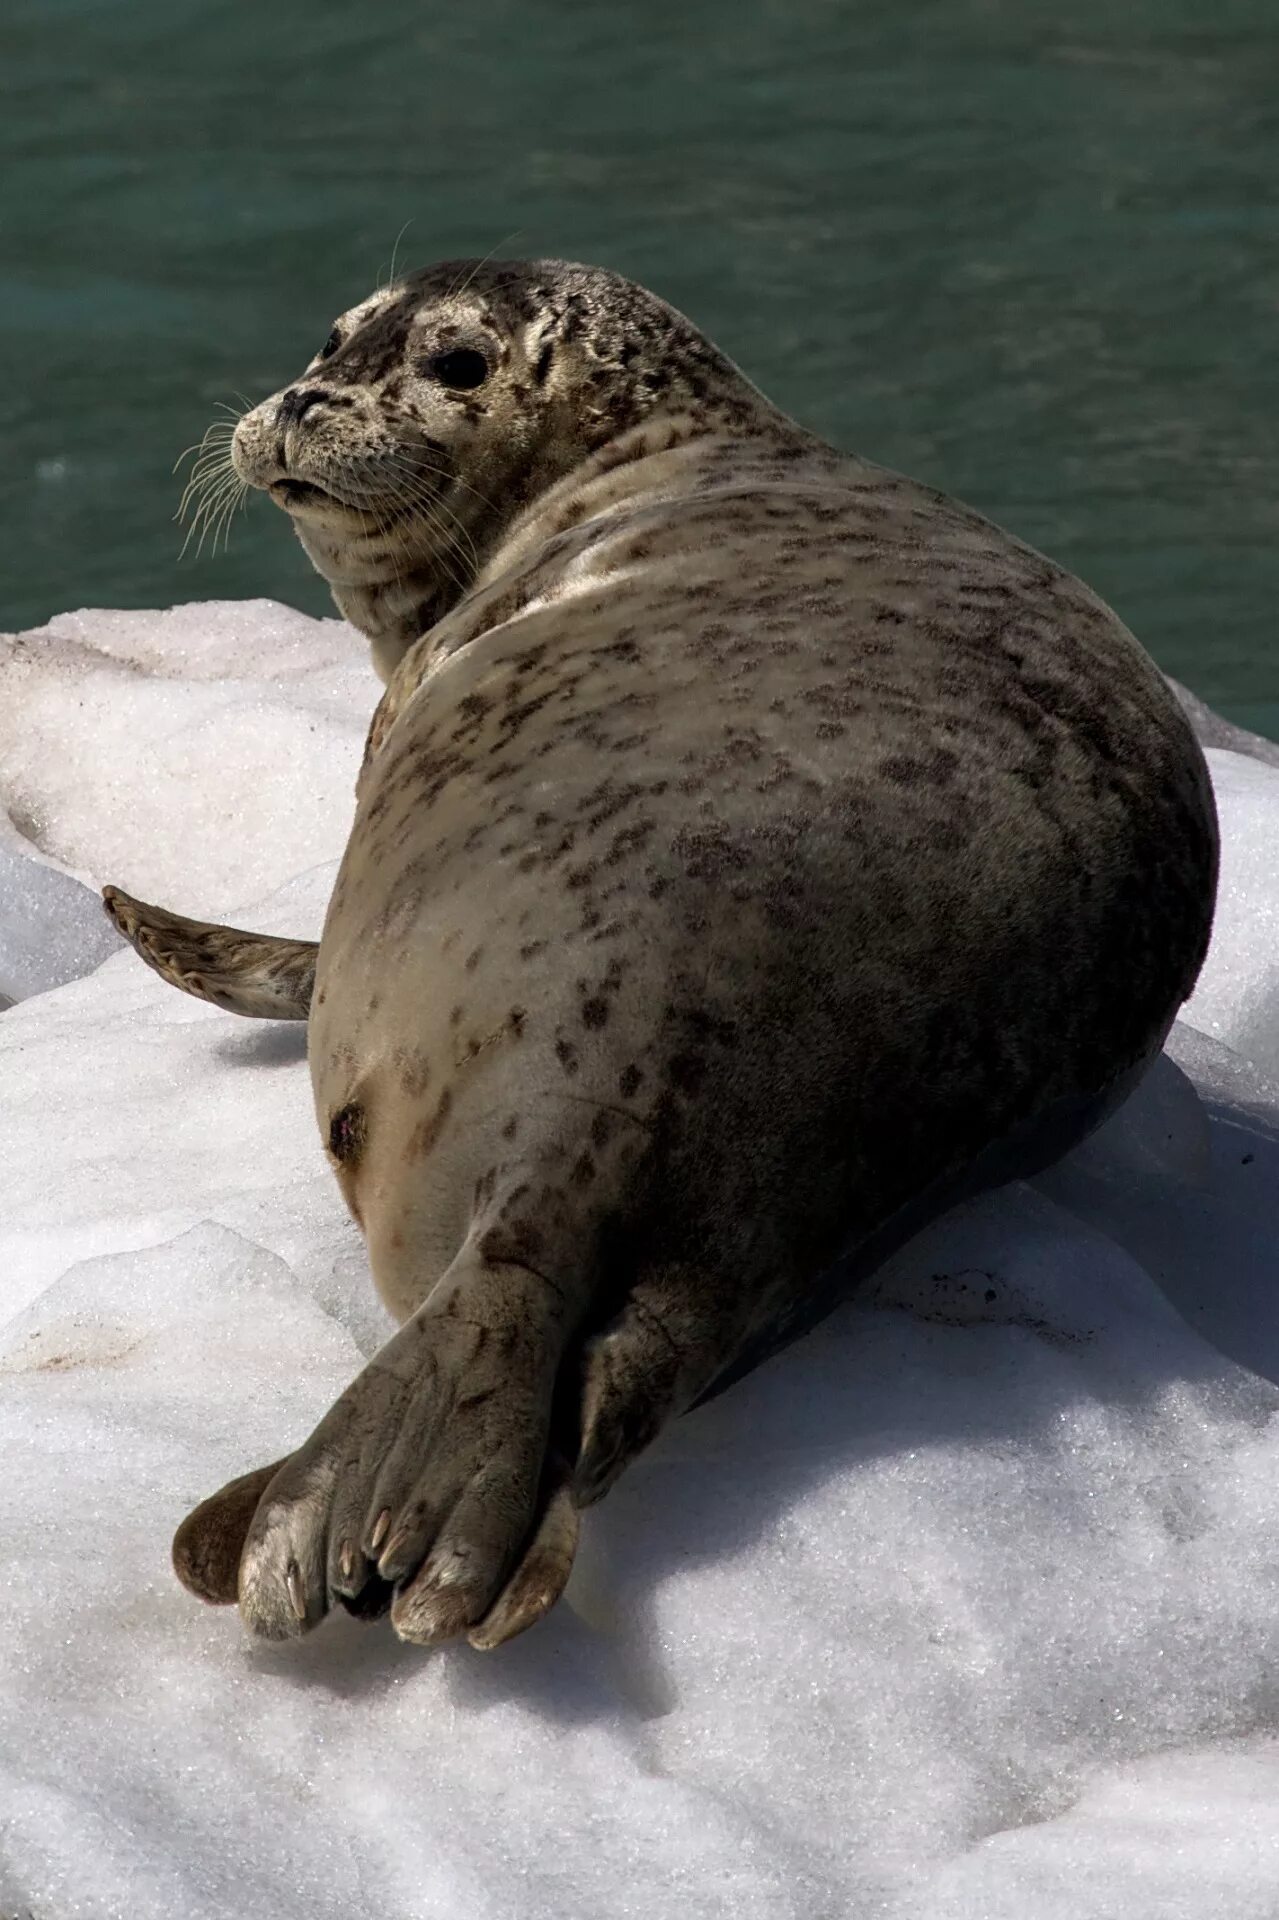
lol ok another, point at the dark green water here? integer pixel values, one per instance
(1027, 252)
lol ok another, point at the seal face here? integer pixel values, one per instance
(754, 851)
(440, 407)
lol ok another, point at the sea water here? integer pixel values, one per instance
(1023, 250)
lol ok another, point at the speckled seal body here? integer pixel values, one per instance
(777, 810)
(761, 849)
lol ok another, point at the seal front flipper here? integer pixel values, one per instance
(249, 973)
(676, 1331)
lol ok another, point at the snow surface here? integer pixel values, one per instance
(965, 1608)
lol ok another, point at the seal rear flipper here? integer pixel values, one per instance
(253, 974)
(430, 1474)
(208, 1544)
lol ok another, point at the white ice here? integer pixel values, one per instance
(965, 1608)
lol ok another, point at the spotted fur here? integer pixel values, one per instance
(754, 849)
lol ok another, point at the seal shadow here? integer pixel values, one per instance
(269, 1043)
(1041, 1293)
(345, 1658)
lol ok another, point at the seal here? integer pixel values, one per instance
(755, 851)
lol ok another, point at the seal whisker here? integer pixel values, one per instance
(199, 519)
(201, 481)
(451, 546)
(455, 292)
(214, 506)
(385, 525)
(205, 442)
(384, 286)
(421, 469)
(206, 486)
(234, 503)
(207, 453)
(402, 493)
(396, 544)
(212, 456)
(410, 489)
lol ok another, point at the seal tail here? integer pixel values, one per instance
(249, 973)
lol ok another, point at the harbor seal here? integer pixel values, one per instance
(754, 851)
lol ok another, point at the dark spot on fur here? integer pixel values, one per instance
(428, 1131)
(629, 1080)
(594, 1012)
(566, 1054)
(907, 770)
(415, 1070)
(510, 1245)
(348, 1131)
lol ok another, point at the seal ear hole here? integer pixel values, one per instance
(330, 346)
(461, 367)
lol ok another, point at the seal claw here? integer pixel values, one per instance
(293, 1582)
(539, 1579)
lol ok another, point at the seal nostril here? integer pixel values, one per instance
(296, 402)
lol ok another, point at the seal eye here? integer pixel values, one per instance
(330, 346)
(460, 367)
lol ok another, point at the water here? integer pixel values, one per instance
(1023, 251)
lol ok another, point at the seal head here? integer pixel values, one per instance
(438, 409)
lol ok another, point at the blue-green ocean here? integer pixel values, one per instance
(1029, 252)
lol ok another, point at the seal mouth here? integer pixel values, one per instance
(303, 493)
